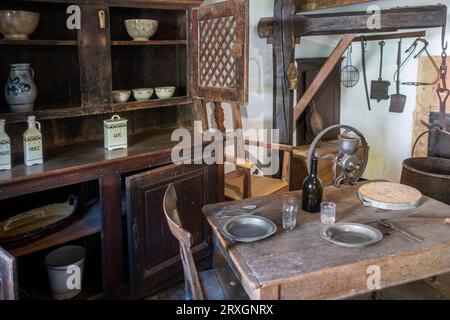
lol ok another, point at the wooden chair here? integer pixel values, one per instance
(241, 184)
(215, 284)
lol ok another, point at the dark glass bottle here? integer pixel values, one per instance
(312, 190)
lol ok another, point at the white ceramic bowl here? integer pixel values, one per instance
(121, 95)
(143, 94)
(165, 92)
(18, 25)
(141, 29)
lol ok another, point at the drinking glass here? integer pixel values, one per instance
(290, 209)
(328, 212)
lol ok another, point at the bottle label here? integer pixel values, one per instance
(33, 148)
(5, 152)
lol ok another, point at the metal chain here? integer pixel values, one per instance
(443, 92)
(443, 68)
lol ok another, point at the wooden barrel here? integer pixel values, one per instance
(431, 176)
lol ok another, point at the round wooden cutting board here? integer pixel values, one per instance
(389, 196)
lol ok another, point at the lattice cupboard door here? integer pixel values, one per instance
(220, 52)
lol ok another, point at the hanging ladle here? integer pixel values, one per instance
(398, 101)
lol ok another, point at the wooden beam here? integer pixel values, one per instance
(324, 72)
(356, 22)
(310, 5)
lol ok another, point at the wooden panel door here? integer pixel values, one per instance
(220, 52)
(8, 276)
(153, 251)
(327, 100)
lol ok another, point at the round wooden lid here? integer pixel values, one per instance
(390, 196)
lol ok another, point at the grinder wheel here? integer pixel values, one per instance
(321, 135)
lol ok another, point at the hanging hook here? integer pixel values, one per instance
(411, 51)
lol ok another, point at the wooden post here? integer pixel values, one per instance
(283, 56)
(112, 240)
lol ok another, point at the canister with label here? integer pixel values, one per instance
(115, 131)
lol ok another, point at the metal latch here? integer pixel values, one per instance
(237, 50)
(101, 19)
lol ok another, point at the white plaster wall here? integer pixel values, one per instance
(389, 135)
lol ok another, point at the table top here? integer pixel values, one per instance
(303, 256)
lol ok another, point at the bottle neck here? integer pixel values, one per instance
(31, 124)
(313, 167)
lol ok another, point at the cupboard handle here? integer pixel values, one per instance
(101, 19)
(137, 239)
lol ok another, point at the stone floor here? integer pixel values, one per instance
(437, 288)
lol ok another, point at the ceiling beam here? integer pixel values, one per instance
(311, 5)
(357, 22)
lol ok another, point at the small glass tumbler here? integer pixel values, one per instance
(290, 209)
(328, 213)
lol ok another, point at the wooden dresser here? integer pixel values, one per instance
(120, 216)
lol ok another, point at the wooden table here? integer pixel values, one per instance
(301, 265)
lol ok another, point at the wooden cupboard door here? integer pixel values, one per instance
(154, 252)
(220, 52)
(8, 274)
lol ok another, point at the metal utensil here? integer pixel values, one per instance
(349, 73)
(390, 225)
(398, 101)
(247, 208)
(351, 235)
(379, 89)
(249, 228)
(363, 61)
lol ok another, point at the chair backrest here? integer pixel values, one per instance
(186, 241)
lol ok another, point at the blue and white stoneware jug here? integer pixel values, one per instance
(20, 89)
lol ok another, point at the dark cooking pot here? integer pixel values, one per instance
(431, 176)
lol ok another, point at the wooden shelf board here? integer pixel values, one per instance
(38, 42)
(149, 43)
(150, 104)
(89, 156)
(58, 113)
(86, 224)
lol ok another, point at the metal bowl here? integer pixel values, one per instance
(249, 228)
(352, 235)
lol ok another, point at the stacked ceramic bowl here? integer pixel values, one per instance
(165, 92)
(141, 29)
(18, 25)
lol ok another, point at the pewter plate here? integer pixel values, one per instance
(249, 228)
(352, 235)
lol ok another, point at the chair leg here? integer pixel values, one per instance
(187, 289)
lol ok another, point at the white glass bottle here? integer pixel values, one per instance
(5, 148)
(32, 143)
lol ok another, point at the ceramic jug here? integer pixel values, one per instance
(32, 143)
(5, 148)
(20, 89)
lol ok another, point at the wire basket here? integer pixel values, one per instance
(349, 73)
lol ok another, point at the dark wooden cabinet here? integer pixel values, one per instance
(327, 100)
(153, 251)
(76, 72)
